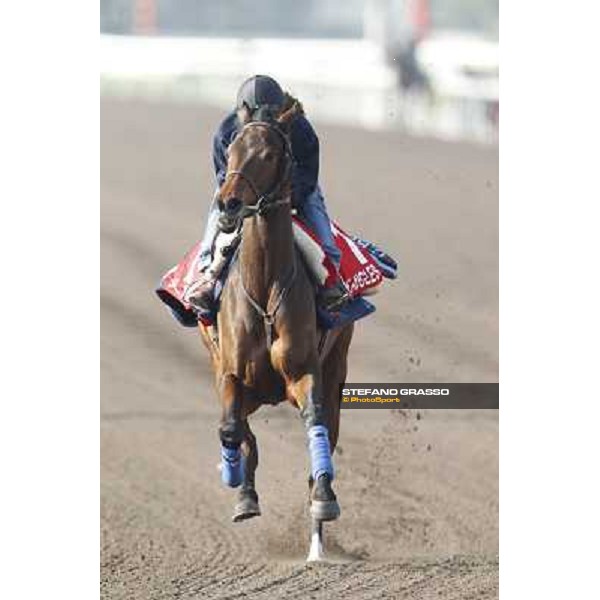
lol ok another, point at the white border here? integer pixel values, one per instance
(49, 319)
(549, 301)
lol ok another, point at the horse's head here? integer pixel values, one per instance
(258, 169)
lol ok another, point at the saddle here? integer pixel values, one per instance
(363, 267)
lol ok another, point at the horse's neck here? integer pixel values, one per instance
(267, 253)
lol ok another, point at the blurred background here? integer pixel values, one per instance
(428, 67)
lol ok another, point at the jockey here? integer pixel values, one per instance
(256, 92)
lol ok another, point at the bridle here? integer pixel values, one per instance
(265, 201)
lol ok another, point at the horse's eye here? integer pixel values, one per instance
(269, 156)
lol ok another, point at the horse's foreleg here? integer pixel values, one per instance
(231, 432)
(307, 392)
(247, 506)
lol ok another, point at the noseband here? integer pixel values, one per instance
(265, 201)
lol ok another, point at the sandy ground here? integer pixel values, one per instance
(419, 493)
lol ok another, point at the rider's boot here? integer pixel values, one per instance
(201, 293)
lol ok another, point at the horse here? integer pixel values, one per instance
(269, 348)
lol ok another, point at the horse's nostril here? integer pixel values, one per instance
(233, 205)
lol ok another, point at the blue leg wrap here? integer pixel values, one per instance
(320, 452)
(232, 466)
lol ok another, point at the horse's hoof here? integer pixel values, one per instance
(323, 503)
(246, 508)
(324, 510)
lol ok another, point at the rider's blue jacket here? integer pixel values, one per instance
(305, 150)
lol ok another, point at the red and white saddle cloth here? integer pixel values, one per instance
(358, 268)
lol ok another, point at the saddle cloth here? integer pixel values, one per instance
(363, 268)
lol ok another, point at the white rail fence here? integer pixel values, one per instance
(340, 81)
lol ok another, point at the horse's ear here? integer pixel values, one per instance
(291, 109)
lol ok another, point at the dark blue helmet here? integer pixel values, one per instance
(260, 91)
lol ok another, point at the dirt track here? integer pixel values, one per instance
(419, 496)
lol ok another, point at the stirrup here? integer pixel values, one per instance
(334, 298)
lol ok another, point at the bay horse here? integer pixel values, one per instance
(269, 348)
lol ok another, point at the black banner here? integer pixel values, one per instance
(419, 395)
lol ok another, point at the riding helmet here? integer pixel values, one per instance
(258, 91)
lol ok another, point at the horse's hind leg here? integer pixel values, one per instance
(247, 506)
(334, 370)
